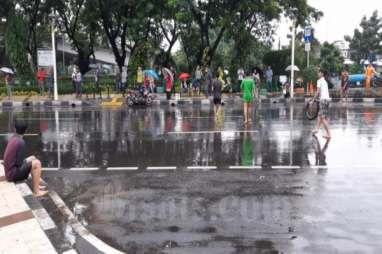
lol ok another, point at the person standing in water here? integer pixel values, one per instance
(248, 87)
(323, 95)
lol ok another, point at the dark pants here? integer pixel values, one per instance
(78, 89)
(168, 95)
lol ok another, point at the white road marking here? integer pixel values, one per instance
(48, 119)
(245, 167)
(285, 167)
(201, 167)
(49, 169)
(212, 132)
(161, 168)
(83, 169)
(26, 135)
(71, 251)
(122, 168)
(208, 117)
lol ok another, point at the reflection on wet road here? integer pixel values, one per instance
(270, 187)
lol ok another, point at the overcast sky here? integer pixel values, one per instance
(340, 18)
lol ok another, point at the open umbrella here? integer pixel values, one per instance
(168, 72)
(151, 73)
(184, 75)
(7, 70)
(289, 68)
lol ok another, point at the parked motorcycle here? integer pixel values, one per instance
(135, 97)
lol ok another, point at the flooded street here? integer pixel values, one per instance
(175, 180)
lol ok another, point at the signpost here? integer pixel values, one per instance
(45, 57)
(308, 38)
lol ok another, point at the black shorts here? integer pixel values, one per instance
(23, 172)
(217, 101)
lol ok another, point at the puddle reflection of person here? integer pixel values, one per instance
(247, 150)
(320, 151)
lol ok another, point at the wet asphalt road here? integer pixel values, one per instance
(303, 194)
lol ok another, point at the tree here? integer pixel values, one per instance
(5, 7)
(278, 60)
(126, 24)
(16, 44)
(35, 14)
(210, 21)
(331, 58)
(169, 27)
(77, 17)
(367, 40)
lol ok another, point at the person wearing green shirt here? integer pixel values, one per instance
(247, 87)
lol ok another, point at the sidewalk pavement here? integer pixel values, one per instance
(20, 231)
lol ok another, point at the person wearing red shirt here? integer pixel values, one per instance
(169, 81)
(41, 75)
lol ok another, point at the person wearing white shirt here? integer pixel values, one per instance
(324, 97)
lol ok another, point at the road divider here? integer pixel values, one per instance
(84, 169)
(211, 132)
(286, 167)
(201, 167)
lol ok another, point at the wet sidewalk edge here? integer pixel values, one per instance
(164, 102)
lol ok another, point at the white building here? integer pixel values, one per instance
(343, 47)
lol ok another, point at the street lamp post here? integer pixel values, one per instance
(54, 57)
(292, 69)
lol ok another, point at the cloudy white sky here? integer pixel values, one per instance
(340, 18)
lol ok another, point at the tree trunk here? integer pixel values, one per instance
(83, 61)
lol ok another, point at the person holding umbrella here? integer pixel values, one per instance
(8, 80)
(9, 84)
(184, 76)
(169, 81)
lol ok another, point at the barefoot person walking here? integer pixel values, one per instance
(217, 94)
(247, 87)
(16, 166)
(323, 94)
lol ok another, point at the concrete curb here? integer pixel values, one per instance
(30, 104)
(86, 238)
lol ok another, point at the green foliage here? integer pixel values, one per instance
(278, 60)
(355, 69)
(138, 59)
(331, 58)
(16, 43)
(310, 74)
(215, 33)
(366, 40)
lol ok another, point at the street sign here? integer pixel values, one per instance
(308, 33)
(307, 46)
(45, 57)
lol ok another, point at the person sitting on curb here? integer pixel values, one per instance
(16, 167)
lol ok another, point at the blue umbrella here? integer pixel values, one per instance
(151, 73)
